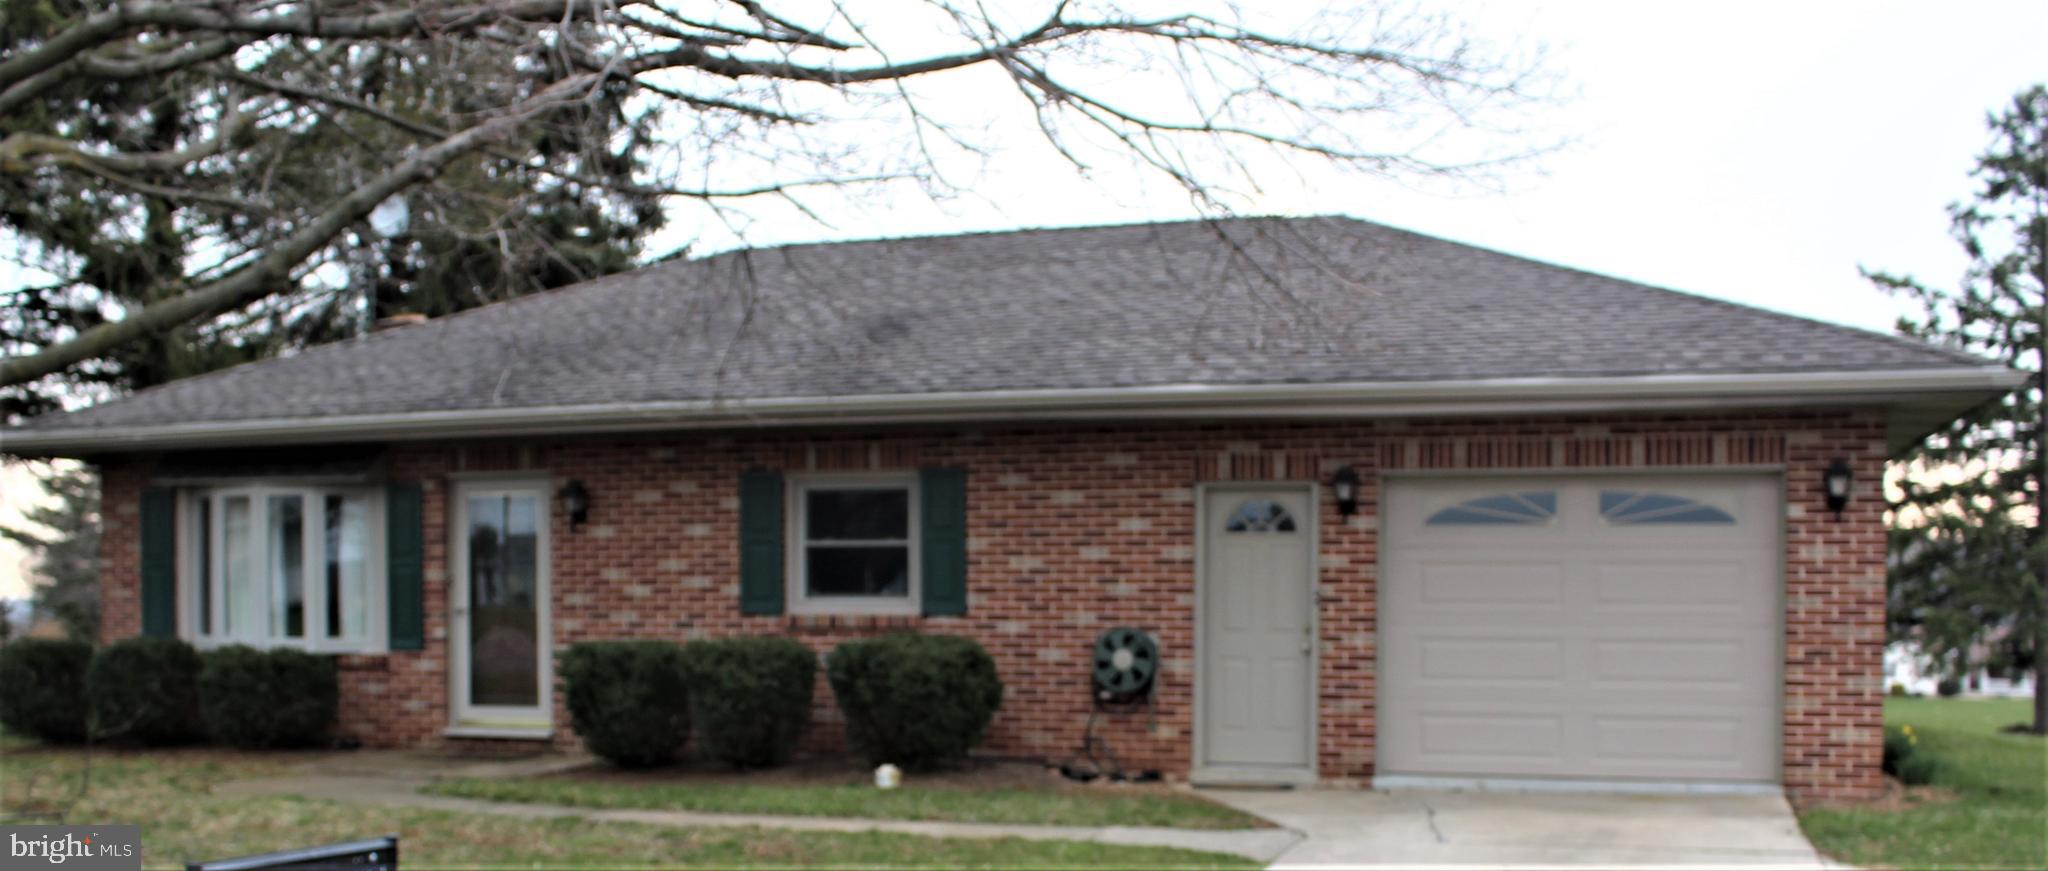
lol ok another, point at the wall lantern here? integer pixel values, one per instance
(1838, 477)
(1344, 484)
(575, 502)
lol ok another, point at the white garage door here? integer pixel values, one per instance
(1598, 628)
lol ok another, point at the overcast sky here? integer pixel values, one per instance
(1758, 152)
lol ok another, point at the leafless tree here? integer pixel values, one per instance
(754, 99)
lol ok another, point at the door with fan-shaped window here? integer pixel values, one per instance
(1256, 645)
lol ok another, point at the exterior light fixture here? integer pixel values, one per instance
(575, 502)
(1344, 485)
(1838, 477)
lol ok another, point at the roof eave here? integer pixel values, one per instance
(1928, 392)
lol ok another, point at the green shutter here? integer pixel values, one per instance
(405, 575)
(761, 579)
(942, 495)
(159, 561)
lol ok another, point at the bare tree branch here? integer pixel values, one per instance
(267, 131)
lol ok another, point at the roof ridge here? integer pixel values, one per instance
(1025, 231)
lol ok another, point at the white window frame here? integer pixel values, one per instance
(799, 598)
(376, 587)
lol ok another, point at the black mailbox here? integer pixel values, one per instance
(375, 854)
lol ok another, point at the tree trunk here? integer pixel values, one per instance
(2040, 529)
(2040, 459)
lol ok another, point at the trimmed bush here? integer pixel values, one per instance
(145, 690)
(1918, 769)
(750, 698)
(1948, 688)
(628, 699)
(914, 700)
(42, 689)
(1904, 759)
(259, 699)
(1897, 746)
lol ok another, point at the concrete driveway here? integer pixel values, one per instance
(1409, 828)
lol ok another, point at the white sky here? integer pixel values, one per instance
(1757, 152)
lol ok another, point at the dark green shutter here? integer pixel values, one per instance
(406, 555)
(159, 561)
(761, 579)
(943, 497)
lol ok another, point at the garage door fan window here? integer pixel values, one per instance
(1630, 508)
(1528, 508)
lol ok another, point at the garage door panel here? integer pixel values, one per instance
(1640, 646)
(1695, 666)
(1532, 738)
(1492, 584)
(1490, 661)
(1678, 586)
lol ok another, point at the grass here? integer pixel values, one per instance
(1009, 804)
(1997, 818)
(168, 794)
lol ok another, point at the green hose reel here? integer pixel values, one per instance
(1126, 662)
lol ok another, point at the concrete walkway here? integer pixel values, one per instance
(354, 781)
(1407, 829)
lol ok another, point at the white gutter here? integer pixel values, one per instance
(1350, 400)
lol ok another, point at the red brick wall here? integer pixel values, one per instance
(1073, 530)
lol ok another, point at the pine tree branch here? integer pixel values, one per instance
(262, 276)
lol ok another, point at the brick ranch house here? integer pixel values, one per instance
(1590, 538)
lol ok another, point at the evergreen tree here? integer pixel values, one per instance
(227, 171)
(1970, 569)
(63, 540)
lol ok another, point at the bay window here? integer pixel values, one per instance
(284, 566)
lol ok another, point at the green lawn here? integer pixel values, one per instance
(1998, 817)
(167, 793)
(1009, 804)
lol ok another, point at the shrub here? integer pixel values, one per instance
(42, 689)
(1904, 759)
(146, 690)
(1948, 688)
(257, 699)
(1899, 691)
(914, 700)
(628, 699)
(1918, 769)
(750, 698)
(1897, 746)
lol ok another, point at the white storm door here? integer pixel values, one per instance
(1256, 644)
(500, 667)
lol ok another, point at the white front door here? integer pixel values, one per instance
(500, 669)
(1257, 645)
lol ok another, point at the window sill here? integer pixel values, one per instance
(513, 733)
(892, 606)
(274, 644)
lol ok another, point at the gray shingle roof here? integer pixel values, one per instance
(1234, 302)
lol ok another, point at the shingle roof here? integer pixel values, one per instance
(1232, 302)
